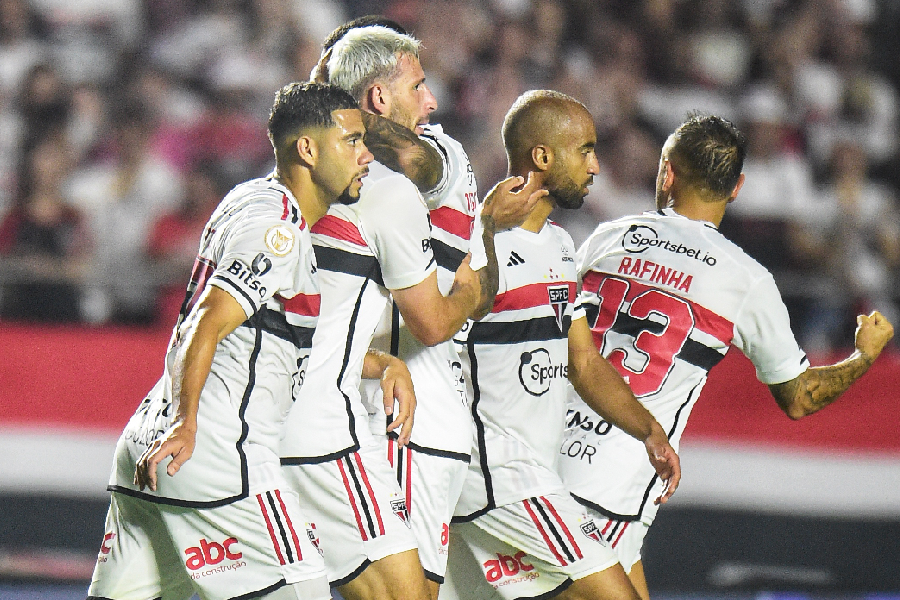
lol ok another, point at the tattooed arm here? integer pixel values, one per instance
(401, 150)
(818, 387)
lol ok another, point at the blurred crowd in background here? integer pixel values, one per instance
(124, 122)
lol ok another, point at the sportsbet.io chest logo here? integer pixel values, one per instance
(536, 371)
(640, 237)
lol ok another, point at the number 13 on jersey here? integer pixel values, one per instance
(638, 328)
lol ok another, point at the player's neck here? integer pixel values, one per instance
(699, 210)
(312, 205)
(538, 216)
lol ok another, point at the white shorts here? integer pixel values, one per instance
(626, 538)
(246, 548)
(535, 547)
(358, 508)
(432, 485)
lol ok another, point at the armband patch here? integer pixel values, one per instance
(280, 240)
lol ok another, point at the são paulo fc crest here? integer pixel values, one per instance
(590, 529)
(314, 537)
(559, 298)
(398, 505)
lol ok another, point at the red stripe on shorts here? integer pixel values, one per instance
(537, 522)
(287, 519)
(265, 513)
(365, 478)
(359, 523)
(564, 528)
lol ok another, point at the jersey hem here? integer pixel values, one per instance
(287, 461)
(176, 501)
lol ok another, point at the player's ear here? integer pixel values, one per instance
(378, 99)
(307, 150)
(737, 188)
(669, 179)
(542, 157)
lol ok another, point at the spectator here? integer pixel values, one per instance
(42, 241)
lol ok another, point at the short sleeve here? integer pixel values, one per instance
(763, 333)
(396, 220)
(262, 257)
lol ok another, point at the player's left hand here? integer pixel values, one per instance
(178, 443)
(396, 384)
(510, 208)
(666, 463)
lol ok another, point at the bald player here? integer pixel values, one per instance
(514, 514)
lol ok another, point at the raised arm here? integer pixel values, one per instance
(216, 315)
(817, 387)
(432, 317)
(604, 390)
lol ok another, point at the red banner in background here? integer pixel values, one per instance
(93, 378)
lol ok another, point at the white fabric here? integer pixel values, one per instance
(518, 362)
(665, 298)
(256, 247)
(152, 550)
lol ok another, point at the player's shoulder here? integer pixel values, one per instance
(260, 200)
(382, 181)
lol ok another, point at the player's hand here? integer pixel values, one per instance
(873, 332)
(178, 443)
(666, 463)
(396, 384)
(467, 281)
(510, 208)
(320, 71)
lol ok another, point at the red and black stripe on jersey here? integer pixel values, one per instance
(536, 329)
(692, 351)
(454, 223)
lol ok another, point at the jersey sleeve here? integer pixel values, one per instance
(262, 256)
(432, 136)
(398, 226)
(476, 243)
(763, 333)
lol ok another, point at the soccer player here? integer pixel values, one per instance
(382, 249)
(666, 295)
(529, 536)
(198, 502)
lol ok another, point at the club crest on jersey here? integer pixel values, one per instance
(314, 537)
(559, 298)
(280, 240)
(590, 529)
(399, 507)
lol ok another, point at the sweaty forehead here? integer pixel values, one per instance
(348, 119)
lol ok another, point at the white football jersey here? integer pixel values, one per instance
(256, 247)
(379, 243)
(443, 425)
(518, 361)
(665, 297)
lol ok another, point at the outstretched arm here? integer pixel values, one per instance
(396, 384)
(817, 387)
(400, 149)
(216, 315)
(604, 390)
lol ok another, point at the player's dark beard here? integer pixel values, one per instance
(565, 192)
(346, 198)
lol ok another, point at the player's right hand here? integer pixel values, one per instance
(873, 332)
(178, 443)
(510, 208)
(396, 384)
